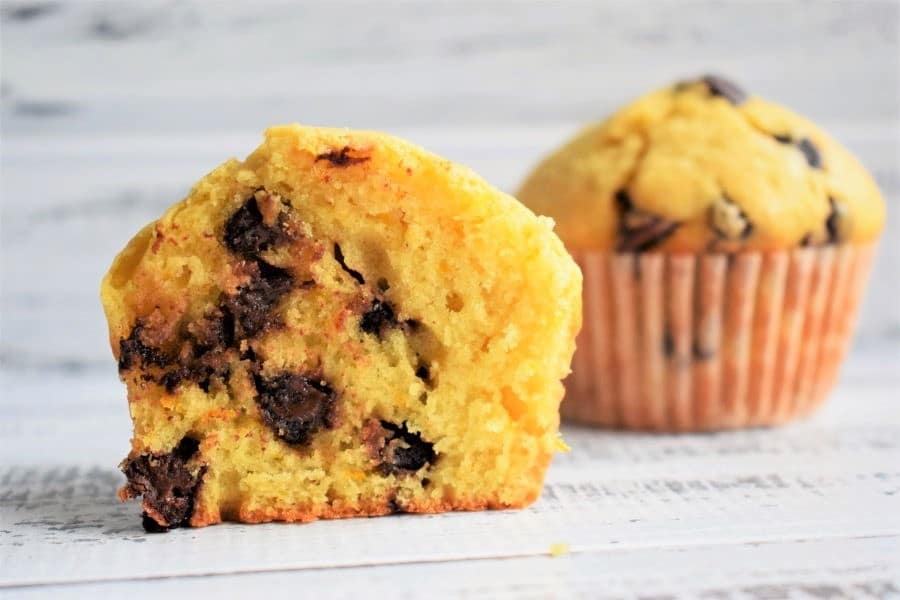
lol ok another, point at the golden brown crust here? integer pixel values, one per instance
(686, 169)
(375, 508)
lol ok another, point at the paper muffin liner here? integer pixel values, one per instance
(712, 341)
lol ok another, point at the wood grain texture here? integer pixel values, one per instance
(109, 111)
(864, 569)
(826, 481)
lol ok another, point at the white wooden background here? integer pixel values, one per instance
(108, 112)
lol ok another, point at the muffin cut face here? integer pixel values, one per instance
(341, 325)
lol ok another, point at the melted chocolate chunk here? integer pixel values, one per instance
(248, 354)
(151, 526)
(187, 448)
(134, 351)
(413, 325)
(423, 372)
(203, 357)
(172, 379)
(203, 351)
(198, 372)
(668, 344)
(404, 450)
(379, 316)
(214, 333)
(341, 158)
(253, 303)
(339, 256)
(719, 86)
(638, 229)
(700, 353)
(295, 406)
(167, 485)
(211, 338)
(247, 234)
(623, 201)
(834, 220)
(811, 152)
(645, 237)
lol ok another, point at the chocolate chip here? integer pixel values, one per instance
(805, 145)
(207, 353)
(341, 158)
(646, 237)
(213, 333)
(249, 354)
(167, 484)
(246, 233)
(295, 406)
(199, 355)
(719, 86)
(151, 526)
(422, 372)
(700, 353)
(623, 201)
(339, 256)
(135, 351)
(187, 448)
(203, 372)
(203, 357)
(729, 220)
(835, 223)
(639, 230)
(668, 344)
(173, 378)
(404, 450)
(379, 316)
(254, 302)
(809, 150)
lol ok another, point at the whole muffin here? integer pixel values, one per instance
(725, 243)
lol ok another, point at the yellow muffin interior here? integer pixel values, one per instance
(484, 306)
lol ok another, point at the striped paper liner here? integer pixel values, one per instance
(713, 341)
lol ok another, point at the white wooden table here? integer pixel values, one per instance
(807, 511)
(108, 111)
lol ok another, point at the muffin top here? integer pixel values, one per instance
(703, 167)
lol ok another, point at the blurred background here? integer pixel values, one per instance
(110, 111)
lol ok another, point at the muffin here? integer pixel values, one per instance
(343, 324)
(725, 243)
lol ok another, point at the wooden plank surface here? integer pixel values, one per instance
(788, 570)
(109, 111)
(817, 486)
